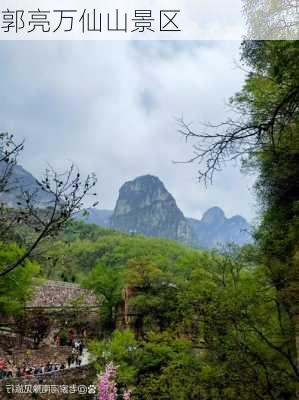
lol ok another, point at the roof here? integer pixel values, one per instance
(55, 294)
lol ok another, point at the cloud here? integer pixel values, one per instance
(110, 107)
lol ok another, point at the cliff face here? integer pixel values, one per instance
(144, 206)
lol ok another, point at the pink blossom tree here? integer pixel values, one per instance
(107, 386)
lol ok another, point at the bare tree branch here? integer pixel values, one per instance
(232, 139)
(47, 208)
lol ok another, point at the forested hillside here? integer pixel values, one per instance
(202, 324)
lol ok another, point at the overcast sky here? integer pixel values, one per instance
(110, 107)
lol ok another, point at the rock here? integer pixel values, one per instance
(215, 230)
(144, 206)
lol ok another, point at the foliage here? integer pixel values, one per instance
(45, 207)
(79, 247)
(275, 79)
(121, 349)
(107, 284)
(214, 331)
(263, 131)
(15, 288)
(271, 19)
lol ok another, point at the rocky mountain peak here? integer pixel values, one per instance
(213, 215)
(141, 192)
(145, 206)
(215, 230)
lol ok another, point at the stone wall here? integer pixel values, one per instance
(37, 357)
(70, 378)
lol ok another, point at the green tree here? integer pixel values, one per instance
(154, 301)
(121, 348)
(264, 133)
(16, 287)
(106, 282)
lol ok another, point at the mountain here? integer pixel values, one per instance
(215, 230)
(20, 181)
(145, 206)
(95, 216)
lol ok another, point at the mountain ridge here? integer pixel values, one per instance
(213, 230)
(19, 181)
(144, 206)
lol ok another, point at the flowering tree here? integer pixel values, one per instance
(107, 386)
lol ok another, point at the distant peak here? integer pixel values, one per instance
(214, 214)
(144, 183)
(237, 216)
(147, 179)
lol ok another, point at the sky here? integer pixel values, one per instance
(112, 108)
